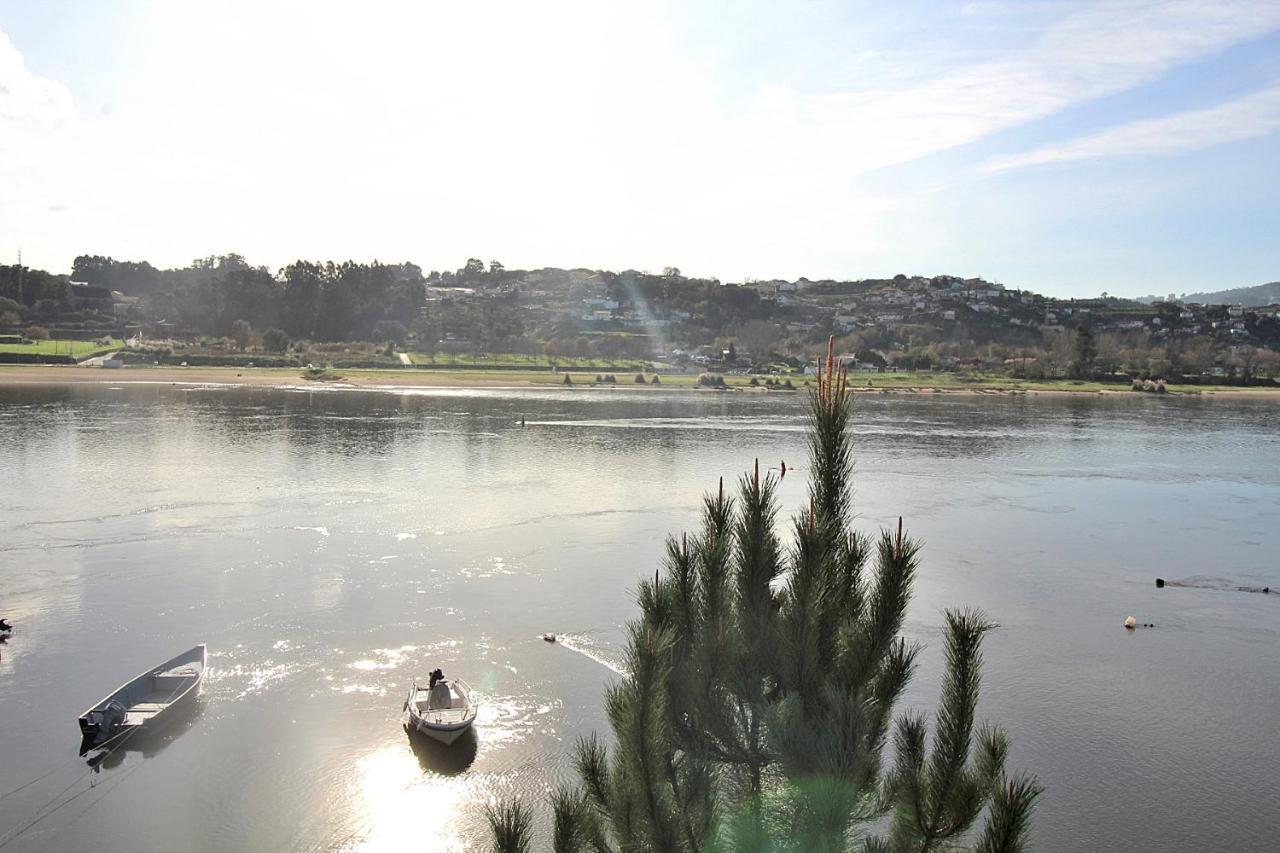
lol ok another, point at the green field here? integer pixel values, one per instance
(497, 361)
(75, 349)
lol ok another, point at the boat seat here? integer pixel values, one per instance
(148, 708)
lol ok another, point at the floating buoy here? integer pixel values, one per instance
(1131, 623)
(1159, 583)
(550, 638)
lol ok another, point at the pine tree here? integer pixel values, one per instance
(1084, 352)
(761, 681)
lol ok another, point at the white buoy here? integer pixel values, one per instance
(1131, 623)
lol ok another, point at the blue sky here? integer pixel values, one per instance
(1127, 146)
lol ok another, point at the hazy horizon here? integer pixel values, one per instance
(1067, 148)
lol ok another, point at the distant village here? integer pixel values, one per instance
(903, 323)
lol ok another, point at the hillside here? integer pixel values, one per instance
(1250, 297)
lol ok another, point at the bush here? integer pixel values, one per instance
(568, 380)
(274, 340)
(655, 380)
(640, 379)
(711, 380)
(390, 330)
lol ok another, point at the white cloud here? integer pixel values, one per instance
(1246, 117)
(23, 95)
(34, 111)
(541, 133)
(1103, 49)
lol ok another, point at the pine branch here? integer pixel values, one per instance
(830, 449)
(569, 822)
(1009, 821)
(591, 759)
(950, 804)
(510, 825)
(869, 639)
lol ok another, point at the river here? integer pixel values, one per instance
(330, 544)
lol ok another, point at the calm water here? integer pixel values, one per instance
(330, 544)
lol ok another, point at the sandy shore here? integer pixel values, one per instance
(258, 377)
(14, 375)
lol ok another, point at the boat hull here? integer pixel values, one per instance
(149, 700)
(445, 734)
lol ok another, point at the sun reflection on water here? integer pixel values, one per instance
(400, 807)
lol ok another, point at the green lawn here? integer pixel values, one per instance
(500, 360)
(76, 349)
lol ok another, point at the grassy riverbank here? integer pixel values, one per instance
(75, 349)
(919, 383)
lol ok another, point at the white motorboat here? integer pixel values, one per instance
(443, 712)
(144, 701)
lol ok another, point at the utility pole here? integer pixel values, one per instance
(21, 299)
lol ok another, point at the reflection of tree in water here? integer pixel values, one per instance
(340, 422)
(435, 757)
(949, 427)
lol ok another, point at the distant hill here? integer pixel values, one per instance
(1250, 297)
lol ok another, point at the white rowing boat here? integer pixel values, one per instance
(443, 712)
(145, 700)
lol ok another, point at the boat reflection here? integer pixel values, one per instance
(148, 742)
(438, 758)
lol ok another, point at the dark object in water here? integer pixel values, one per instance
(5, 626)
(447, 760)
(550, 638)
(1159, 583)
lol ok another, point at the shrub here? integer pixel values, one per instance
(274, 340)
(655, 380)
(640, 379)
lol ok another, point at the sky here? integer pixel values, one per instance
(1070, 147)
